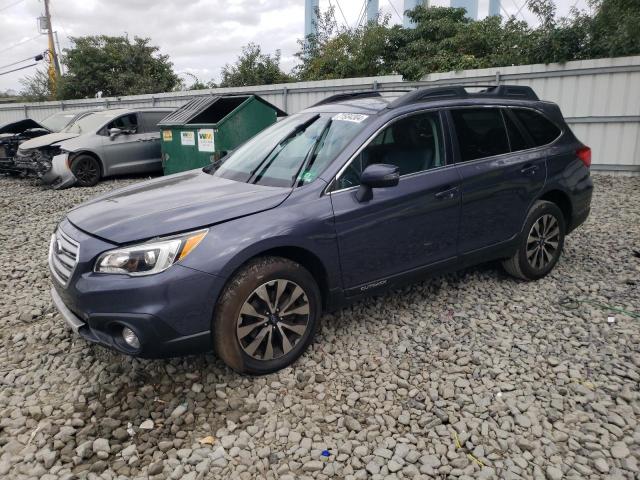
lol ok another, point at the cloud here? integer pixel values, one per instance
(200, 36)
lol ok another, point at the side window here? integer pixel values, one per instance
(414, 144)
(481, 132)
(128, 123)
(542, 131)
(149, 121)
(516, 139)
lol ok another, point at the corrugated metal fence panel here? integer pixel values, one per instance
(599, 98)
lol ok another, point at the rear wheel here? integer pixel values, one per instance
(86, 169)
(266, 316)
(541, 243)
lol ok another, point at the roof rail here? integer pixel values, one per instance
(353, 95)
(457, 91)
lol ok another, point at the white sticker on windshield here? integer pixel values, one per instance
(350, 117)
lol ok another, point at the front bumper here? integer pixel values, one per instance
(60, 175)
(169, 312)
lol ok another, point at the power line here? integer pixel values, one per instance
(18, 44)
(16, 69)
(343, 16)
(10, 5)
(20, 61)
(394, 9)
(361, 13)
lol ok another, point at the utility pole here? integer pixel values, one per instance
(52, 45)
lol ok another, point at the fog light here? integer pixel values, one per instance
(130, 338)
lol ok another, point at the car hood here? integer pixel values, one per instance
(20, 126)
(172, 204)
(46, 140)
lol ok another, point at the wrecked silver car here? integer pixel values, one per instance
(105, 143)
(12, 134)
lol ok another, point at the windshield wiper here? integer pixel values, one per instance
(213, 166)
(300, 128)
(311, 156)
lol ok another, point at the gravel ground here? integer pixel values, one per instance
(472, 375)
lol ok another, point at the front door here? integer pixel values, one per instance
(126, 151)
(500, 176)
(405, 227)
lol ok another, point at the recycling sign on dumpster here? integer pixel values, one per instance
(206, 142)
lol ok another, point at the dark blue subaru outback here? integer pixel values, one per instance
(354, 195)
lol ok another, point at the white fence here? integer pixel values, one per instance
(599, 98)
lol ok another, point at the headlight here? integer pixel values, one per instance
(149, 258)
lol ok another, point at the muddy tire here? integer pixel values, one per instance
(541, 242)
(266, 316)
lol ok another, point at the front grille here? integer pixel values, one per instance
(63, 256)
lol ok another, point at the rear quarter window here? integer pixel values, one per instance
(541, 130)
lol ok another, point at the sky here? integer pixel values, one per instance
(200, 36)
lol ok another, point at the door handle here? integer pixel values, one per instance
(530, 170)
(448, 194)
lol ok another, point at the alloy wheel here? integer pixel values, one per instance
(543, 241)
(273, 319)
(86, 170)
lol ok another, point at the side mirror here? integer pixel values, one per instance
(378, 175)
(114, 132)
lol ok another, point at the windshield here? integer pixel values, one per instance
(292, 152)
(58, 121)
(91, 122)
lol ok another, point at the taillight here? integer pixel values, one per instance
(584, 154)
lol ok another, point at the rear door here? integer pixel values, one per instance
(405, 227)
(148, 128)
(500, 173)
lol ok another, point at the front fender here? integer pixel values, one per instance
(306, 225)
(60, 175)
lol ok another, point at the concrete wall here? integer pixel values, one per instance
(599, 98)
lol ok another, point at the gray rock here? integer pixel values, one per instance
(373, 468)
(620, 450)
(352, 424)
(313, 466)
(155, 468)
(553, 473)
(601, 465)
(179, 410)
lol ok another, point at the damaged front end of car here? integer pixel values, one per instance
(50, 164)
(8, 149)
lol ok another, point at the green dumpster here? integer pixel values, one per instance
(207, 128)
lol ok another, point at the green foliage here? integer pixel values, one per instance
(114, 66)
(444, 39)
(36, 87)
(254, 68)
(615, 30)
(336, 52)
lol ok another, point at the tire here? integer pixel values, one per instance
(236, 333)
(87, 170)
(546, 250)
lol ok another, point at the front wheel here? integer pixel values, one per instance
(86, 169)
(541, 243)
(266, 316)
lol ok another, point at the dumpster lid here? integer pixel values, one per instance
(216, 108)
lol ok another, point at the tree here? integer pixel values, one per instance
(615, 30)
(254, 68)
(36, 87)
(342, 52)
(114, 66)
(444, 39)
